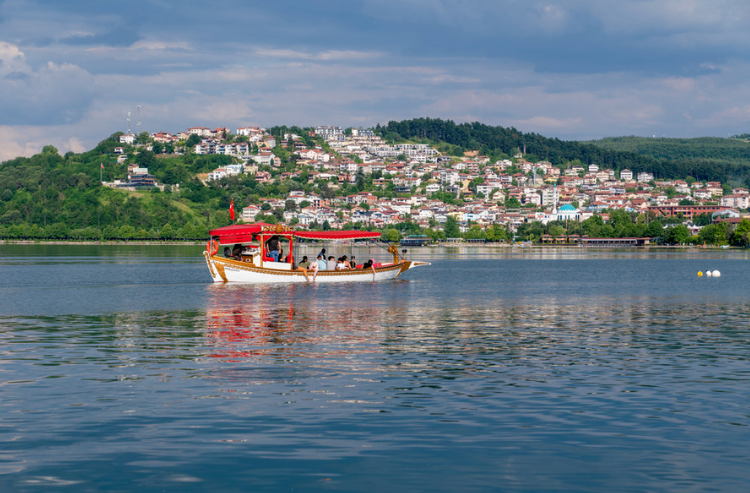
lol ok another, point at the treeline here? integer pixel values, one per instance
(621, 224)
(708, 148)
(502, 141)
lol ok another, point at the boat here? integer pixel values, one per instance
(238, 253)
(415, 240)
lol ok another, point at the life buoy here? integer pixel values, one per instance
(212, 247)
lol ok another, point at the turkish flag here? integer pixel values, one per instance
(231, 210)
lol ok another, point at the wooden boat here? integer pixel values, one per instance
(237, 253)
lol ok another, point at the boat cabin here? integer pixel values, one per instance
(249, 243)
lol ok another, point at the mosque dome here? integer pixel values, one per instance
(567, 208)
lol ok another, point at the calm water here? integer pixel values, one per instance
(123, 369)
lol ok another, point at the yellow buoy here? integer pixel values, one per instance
(700, 274)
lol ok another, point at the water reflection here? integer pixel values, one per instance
(244, 321)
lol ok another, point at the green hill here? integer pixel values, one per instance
(704, 148)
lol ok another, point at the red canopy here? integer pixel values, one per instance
(243, 233)
(336, 235)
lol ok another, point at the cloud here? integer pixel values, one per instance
(573, 69)
(52, 94)
(330, 55)
(119, 36)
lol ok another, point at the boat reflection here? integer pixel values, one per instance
(248, 321)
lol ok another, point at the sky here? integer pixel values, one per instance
(575, 69)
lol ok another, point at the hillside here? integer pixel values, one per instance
(725, 160)
(61, 197)
(704, 148)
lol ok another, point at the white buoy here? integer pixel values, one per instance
(716, 273)
(708, 273)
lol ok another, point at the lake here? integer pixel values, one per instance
(524, 370)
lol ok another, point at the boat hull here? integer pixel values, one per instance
(230, 270)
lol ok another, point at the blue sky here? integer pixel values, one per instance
(574, 69)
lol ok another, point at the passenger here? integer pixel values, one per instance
(331, 263)
(353, 263)
(323, 253)
(272, 246)
(237, 252)
(342, 264)
(305, 263)
(302, 268)
(227, 252)
(322, 264)
(370, 264)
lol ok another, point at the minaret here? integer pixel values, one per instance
(554, 200)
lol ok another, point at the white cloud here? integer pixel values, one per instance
(329, 55)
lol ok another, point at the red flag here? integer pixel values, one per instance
(102, 165)
(231, 210)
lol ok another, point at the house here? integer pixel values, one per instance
(249, 213)
(644, 177)
(200, 131)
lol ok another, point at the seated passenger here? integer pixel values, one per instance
(237, 252)
(301, 268)
(370, 264)
(227, 252)
(322, 264)
(342, 264)
(331, 263)
(353, 263)
(305, 263)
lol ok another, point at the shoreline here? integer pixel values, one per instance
(450, 245)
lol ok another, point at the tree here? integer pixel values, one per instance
(451, 228)
(741, 235)
(145, 159)
(143, 138)
(193, 141)
(495, 233)
(512, 203)
(593, 226)
(290, 205)
(167, 232)
(713, 234)
(677, 235)
(392, 235)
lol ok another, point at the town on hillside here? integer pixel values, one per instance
(446, 196)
